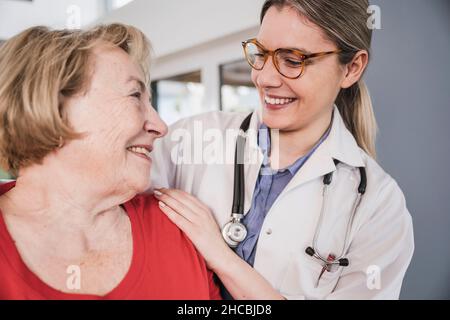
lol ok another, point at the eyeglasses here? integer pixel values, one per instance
(290, 63)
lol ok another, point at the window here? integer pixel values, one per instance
(116, 4)
(237, 90)
(178, 97)
(4, 175)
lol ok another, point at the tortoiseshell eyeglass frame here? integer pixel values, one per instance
(302, 56)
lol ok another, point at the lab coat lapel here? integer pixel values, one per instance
(318, 165)
(340, 145)
(253, 161)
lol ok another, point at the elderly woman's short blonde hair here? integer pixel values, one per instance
(38, 69)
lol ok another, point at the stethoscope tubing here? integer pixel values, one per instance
(239, 198)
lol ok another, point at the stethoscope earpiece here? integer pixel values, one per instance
(310, 251)
(343, 262)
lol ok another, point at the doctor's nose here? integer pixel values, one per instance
(268, 76)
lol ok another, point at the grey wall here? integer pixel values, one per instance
(409, 80)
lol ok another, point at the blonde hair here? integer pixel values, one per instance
(39, 69)
(345, 23)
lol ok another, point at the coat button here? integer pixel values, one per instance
(269, 232)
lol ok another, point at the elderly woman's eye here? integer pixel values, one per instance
(137, 95)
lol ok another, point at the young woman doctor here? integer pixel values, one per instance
(318, 218)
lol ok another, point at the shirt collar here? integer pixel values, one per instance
(340, 144)
(264, 142)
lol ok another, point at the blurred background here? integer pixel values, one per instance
(198, 66)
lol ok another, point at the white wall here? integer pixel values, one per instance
(15, 16)
(174, 25)
(193, 35)
(186, 35)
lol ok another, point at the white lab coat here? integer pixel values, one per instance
(381, 238)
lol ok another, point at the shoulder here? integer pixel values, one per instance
(156, 227)
(169, 254)
(145, 209)
(385, 221)
(378, 180)
(384, 197)
(6, 186)
(193, 131)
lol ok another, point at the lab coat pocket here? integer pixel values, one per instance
(300, 279)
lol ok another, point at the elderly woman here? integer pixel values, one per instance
(77, 130)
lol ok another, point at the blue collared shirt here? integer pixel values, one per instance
(269, 185)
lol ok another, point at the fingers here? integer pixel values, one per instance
(185, 198)
(175, 205)
(196, 221)
(180, 221)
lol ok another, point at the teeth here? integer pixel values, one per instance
(278, 101)
(139, 150)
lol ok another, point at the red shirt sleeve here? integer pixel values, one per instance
(171, 251)
(214, 290)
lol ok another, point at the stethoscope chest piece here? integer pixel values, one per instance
(234, 233)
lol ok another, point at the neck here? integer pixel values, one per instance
(62, 215)
(50, 195)
(289, 145)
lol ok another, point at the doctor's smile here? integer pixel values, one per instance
(277, 102)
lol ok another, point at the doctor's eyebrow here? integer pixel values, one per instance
(307, 52)
(303, 50)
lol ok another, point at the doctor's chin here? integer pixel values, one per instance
(199, 150)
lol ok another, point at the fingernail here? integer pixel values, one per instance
(162, 204)
(158, 193)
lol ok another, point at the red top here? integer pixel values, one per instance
(165, 264)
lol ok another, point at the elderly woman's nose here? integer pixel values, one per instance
(155, 124)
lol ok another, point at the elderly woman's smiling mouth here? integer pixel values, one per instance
(142, 151)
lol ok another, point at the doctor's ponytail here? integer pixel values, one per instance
(355, 107)
(345, 22)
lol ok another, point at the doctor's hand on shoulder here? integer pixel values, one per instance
(196, 220)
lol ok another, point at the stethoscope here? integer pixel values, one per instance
(235, 232)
